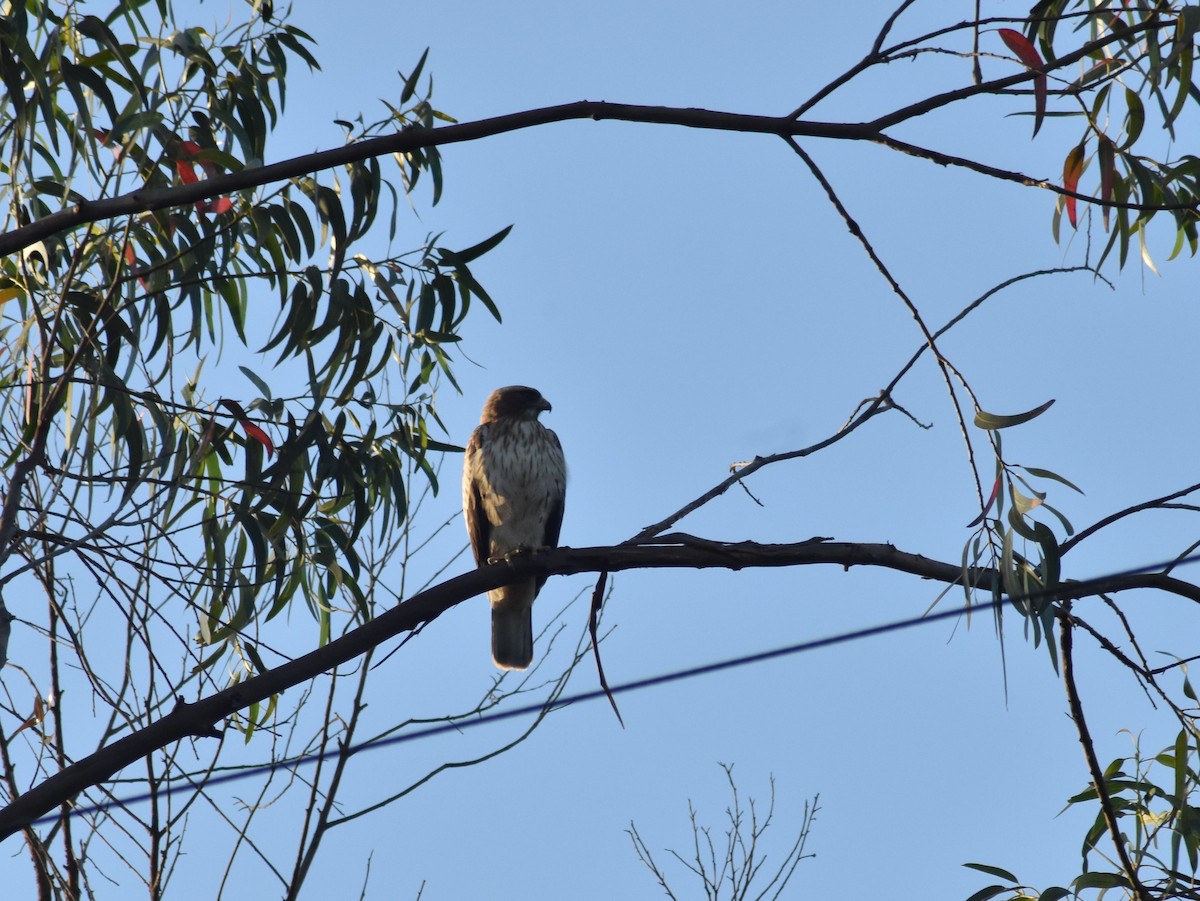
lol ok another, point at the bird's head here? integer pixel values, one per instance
(514, 402)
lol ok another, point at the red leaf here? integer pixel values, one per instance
(131, 261)
(253, 431)
(105, 138)
(220, 205)
(1027, 54)
(1072, 169)
(187, 172)
(190, 150)
(992, 499)
(1022, 47)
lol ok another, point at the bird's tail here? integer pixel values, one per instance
(512, 635)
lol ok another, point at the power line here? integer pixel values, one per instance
(593, 694)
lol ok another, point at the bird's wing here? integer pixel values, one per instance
(558, 502)
(558, 494)
(478, 527)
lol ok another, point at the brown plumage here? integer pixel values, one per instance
(514, 487)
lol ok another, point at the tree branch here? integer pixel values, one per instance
(406, 141)
(875, 406)
(410, 139)
(1089, 753)
(944, 365)
(946, 159)
(675, 550)
(1157, 503)
(997, 85)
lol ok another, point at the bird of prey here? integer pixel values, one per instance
(514, 487)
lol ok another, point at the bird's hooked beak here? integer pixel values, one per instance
(543, 405)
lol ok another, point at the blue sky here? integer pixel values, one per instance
(689, 299)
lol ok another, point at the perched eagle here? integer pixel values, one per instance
(514, 487)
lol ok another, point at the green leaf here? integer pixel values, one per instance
(1114, 768)
(232, 292)
(1023, 504)
(1052, 476)
(1100, 880)
(303, 225)
(1054, 893)
(410, 83)
(1022, 528)
(1012, 584)
(1181, 766)
(291, 36)
(993, 421)
(252, 652)
(263, 388)
(1135, 118)
(473, 253)
(1051, 558)
(469, 287)
(968, 561)
(74, 76)
(990, 892)
(1145, 251)
(100, 32)
(253, 532)
(1182, 55)
(329, 209)
(992, 871)
(51, 188)
(1066, 523)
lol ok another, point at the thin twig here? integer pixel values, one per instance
(593, 631)
(898, 290)
(1065, 646)
(1121, 514)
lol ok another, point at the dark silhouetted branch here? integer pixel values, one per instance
(674, 550)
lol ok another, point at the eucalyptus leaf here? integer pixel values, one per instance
(992, 421)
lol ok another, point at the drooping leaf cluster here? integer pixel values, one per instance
(1010, 540)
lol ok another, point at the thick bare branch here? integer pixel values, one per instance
(406, 141)
(668, 551)
(411, 139)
